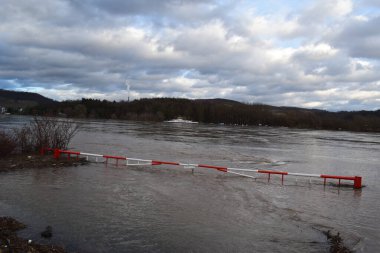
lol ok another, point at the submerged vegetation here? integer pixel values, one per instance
(213, 111)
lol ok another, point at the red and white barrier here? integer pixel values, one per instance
(237, 171)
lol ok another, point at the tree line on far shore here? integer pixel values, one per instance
(212, 111)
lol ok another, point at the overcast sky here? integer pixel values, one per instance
(316, 54)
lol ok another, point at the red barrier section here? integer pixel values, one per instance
(155, 162)
(357, 180)
(224, 169)
(337, 177)
(57, 153)
(269, 172)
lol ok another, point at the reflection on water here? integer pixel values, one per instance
(94, 208)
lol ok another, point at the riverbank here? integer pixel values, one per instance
(36, 161)
(11, 242)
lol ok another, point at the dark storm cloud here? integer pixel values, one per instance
(157, 13)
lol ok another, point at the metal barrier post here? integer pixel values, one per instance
(358, 182)
(57, 153)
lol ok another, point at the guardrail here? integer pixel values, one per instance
(237, 171)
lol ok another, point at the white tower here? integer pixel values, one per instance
(128, 87)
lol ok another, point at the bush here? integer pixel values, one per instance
(7, 144)
(53, 133)
(45, 132)
(25, 139)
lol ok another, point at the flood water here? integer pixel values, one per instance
(98, 208)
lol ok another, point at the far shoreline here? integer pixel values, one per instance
(60, 117)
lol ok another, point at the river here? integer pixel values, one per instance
(98, 208)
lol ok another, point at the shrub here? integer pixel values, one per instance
(53, 133)
(45, 132)
(25, 139)
(7, 144)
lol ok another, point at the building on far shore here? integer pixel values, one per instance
(3, 110)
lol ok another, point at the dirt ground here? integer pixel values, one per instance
(11, 243)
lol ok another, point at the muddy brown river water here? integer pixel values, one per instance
(98, 208)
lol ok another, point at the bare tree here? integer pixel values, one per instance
(46, 132)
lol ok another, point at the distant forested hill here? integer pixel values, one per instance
(13, 100)
(213, 111)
